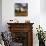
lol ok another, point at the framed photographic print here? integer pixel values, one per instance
(21, 9)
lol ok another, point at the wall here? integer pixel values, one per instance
(0, 15)
(43, 6)
(33, 14)
(8, 11)
(43, 14)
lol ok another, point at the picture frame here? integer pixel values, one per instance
(21, 9)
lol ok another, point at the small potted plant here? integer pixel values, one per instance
(41, 36)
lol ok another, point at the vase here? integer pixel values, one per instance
(41, 43)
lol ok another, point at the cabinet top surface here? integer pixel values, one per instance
(19, 23)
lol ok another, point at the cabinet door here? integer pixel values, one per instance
(20, 38)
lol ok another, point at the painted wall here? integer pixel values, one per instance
(43, 14)
(8, 11)
(0, 15)
(43, 6)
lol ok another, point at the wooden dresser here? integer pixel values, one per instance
(22, 33)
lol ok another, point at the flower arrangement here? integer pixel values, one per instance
(40, 34)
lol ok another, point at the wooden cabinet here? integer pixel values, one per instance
(22, 33)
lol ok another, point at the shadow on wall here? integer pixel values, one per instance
(0, 15)
(43, 6)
